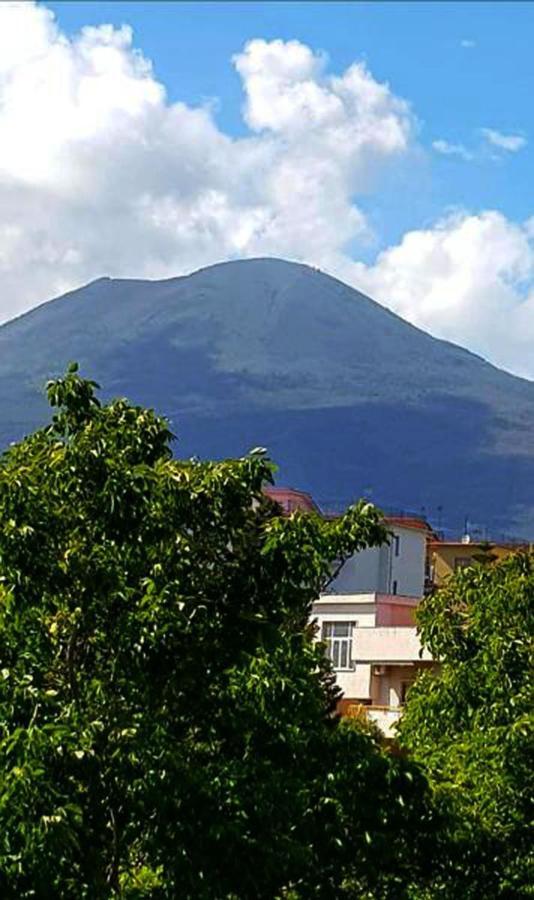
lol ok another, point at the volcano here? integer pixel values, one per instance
(348, 398)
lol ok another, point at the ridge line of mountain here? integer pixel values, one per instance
(268, 352)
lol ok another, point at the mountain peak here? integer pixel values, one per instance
(346, 395)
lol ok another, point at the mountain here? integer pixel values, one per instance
(347, 397)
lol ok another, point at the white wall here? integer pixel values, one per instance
(408, 569)
(371, 645)
(379, 570)
(361, 573)
(388, 644)
(355, 684)
(360, 609)
(389, 689)
(386, 719)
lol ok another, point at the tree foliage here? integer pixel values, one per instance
(166, 717)
(471, 725)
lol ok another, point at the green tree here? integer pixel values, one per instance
(471, 726)
(166, 717)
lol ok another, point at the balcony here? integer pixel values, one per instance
(388, 645)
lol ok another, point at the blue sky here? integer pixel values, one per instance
(417, 47)
(389, 144)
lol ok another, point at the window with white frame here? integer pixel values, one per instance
(338, 639)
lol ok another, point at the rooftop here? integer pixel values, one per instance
(291, 499)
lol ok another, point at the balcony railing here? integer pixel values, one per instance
(388, 644)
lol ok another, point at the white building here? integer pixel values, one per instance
(372, 642)
(366, 619)
(394, 568)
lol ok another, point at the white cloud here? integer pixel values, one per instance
(287, 93)
(100, 174)
(510, 142)
(448, 149)
(467, 43)
(469, 279)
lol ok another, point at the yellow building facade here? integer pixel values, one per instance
(446, 557)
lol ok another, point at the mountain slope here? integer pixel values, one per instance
(347, 396)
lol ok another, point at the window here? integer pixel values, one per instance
(394, 588)
(462, 562)
(396, 545)
(338, 639)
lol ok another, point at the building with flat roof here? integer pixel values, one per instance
(375, 651)
(446, 557)
(366, 617)
(290, 499)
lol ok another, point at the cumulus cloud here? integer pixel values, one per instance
(100, 174)
(510, 142)
(469, 279)
(287, 93)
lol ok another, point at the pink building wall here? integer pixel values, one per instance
(392, 610)
(290, 499)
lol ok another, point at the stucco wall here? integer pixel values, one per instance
(408, 569)
(359, 609)
(398, 611)
(380, 570)
(356, 684)
(396, 676)
(382, 690)
(386, 689)
(385, 645)
(360, 574)
(371, 643)
(444, 555)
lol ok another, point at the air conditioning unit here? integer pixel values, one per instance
(379, 670)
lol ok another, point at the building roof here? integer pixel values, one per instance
(372, 597)
(508, 545)
(408, 522)
(291, 499)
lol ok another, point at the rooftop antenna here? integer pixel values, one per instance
(466, 539)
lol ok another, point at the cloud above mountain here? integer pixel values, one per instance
(469, 279)
(101, 174)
